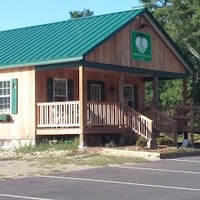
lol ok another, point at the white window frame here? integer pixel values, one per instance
(60, 95)
(95, 92)
(3, 96)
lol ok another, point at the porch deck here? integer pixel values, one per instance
(57, 118)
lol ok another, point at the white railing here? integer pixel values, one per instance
(104, 114)
(58, 114)
(138, 123)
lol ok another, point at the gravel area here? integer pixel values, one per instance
(13, 165)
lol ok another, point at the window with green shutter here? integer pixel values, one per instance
(9, 96)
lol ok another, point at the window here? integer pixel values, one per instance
(5, 96)
(95, 92)
(60, 90)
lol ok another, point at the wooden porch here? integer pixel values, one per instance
(56, 118)
(63, 118)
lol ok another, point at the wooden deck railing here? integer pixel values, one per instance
(138, 123)
(163, 123)
(98, 114)
(58, 114)
(104, 114)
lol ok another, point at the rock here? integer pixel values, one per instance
(185, 143)
(152, 144)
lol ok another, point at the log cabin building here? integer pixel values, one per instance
(86, 77)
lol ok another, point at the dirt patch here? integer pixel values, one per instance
(23, 168)
(14, 165)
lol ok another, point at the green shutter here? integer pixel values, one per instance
(136, 97)
(70, 90)
(14, 96)
(49, 89)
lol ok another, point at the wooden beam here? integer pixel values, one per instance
(185, 92)
(58, 131)
(121, 84)
(155, 91)
(82, 105)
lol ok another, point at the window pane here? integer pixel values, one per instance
(60, 90)
(5, 96)
(95, 92)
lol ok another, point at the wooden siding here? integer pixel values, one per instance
(117, 51)
(111, 79)
(41, 82)
(22, 125)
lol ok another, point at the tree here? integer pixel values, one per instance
(181, 20)
(78, 14)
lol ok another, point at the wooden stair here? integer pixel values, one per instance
(138, 122)
(163, 123)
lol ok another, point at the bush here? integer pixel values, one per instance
(164, 140)
(50, 145)
(141, 142)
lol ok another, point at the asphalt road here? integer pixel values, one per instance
(158, 180)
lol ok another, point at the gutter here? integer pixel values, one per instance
(42, 63)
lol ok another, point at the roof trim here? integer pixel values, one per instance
(135, 70)
(43, 63)
(170, 43)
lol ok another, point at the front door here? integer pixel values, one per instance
(129, 95)
(96, 90)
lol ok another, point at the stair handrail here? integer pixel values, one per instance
(139, 123)
(163, 123)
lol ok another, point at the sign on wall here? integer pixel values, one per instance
(141, 46)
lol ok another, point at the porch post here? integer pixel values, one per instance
(185, 93)
(82, 105)
(121, 83)
(155, 91)
(121, 97)
(185, 98)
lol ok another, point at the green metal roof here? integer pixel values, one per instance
(59, 42)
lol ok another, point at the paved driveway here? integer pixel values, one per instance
(166, 179)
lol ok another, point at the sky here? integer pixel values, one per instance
(22, 13)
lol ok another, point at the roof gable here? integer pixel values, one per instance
(61, 41)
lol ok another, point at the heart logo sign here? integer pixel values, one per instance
(141, 44)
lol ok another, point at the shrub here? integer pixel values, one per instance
(141, 142)
(164, 140)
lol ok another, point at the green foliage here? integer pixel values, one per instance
(103, 160)
(181, 20)
(111, 144)
(141, 142)
(170, 92)
(164, 140)
(49, 146)
(78, 14)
